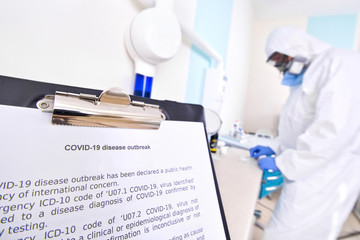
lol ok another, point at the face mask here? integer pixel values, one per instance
(292, 79)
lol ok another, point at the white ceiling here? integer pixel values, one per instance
(272, 9)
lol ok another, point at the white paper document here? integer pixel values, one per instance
(73, 183)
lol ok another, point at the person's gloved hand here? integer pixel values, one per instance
(259, 150)
(268, 163)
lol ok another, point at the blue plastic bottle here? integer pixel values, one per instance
(143, 85)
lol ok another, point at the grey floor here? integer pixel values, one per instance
(266, 205)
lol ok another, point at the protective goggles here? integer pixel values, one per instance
(280, 61)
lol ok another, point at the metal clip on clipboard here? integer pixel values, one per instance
(113, 108)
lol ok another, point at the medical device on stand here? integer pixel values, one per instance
(154, 36)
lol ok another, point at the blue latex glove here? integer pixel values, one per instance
(268, 163)
(259, 150)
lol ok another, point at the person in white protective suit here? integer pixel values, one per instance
(318, 144)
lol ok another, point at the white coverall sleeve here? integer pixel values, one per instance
(327, 137)
(275, 145)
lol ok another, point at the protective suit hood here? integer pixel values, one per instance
(294, 42)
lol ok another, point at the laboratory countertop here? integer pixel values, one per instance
(239, 180)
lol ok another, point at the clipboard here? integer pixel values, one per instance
(26, 93)
(29, 93)
(113, 108)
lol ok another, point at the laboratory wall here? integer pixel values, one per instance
(265, 94)
(238, 63)
(215, 33)
(81, 43)
(227, 27)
